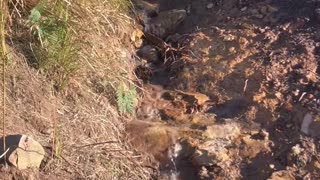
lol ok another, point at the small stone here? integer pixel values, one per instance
(296, 150)
(244, 8)
(259, 16)
(317, 164)
(296, 92)
(272, 166)
(47, 131)
(310, 96)
(210, 5)
(232, 50)
(138, 43)
(307, 120)
(254, 11)
(24, 151)
(278, 95)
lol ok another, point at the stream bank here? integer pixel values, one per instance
(233, 98)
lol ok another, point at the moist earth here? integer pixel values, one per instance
(234, 92)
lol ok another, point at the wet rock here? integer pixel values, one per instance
(209, 154)
(24, 151)
(153, 138)
(228, 131)
(252, 147)
(149, 53)
(166, 22)
(282, 175)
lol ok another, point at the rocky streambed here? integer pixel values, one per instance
(230, 88)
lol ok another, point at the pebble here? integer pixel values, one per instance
(244, 9)
(272, 166)
(296, 92)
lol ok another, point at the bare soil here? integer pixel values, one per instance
(257, 61)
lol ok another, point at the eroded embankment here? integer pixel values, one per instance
(227, 98)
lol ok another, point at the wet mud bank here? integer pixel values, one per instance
(232, 91)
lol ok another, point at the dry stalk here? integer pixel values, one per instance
(3, 7)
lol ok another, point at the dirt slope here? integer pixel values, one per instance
(89, 136)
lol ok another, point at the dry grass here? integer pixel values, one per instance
(90, 133)
(104, 27)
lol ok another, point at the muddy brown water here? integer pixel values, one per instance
(254, 59)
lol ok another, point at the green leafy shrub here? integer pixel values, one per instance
(57, 52)
(126, 99)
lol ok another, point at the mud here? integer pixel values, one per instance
(248, 65)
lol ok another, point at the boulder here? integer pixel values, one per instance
(24, 152)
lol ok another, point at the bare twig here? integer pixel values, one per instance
(99, 143)
(245, 86)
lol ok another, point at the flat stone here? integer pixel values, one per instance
(311, 125)
(24, 152)
(307, 120)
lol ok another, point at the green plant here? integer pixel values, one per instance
(57, 52)
(126, 98)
